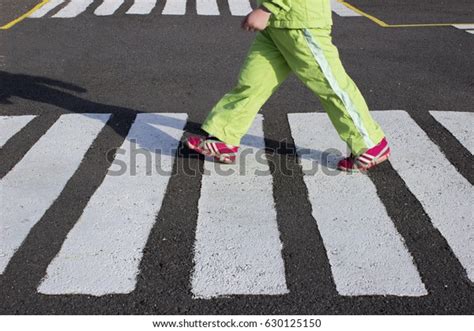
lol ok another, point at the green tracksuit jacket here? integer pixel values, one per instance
(298, 40)
(298, 14)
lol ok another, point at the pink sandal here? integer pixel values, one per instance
(366, 160)
(211, 146)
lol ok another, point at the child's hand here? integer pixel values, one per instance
(257, 20)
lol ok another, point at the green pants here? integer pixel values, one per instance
(310, 54)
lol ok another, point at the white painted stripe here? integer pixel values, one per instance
(10, 125)
(108, 7)
(470, 31)
(46, 8)
(366, 253)
(342, 10)
(320, 58)
(142, 7)
(446, 195)
(102, 252)
(74, 8)
(237, 248)
(460, 124)
(239, 7)
(36, 181)
(464, 26)
(365, 160)
(207, 7)
(174, 7)
(370, 157)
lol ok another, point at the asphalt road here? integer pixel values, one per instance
(130, 64)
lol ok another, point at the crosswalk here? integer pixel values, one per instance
(11, 125)
(459, 124)
(250, 263)
(469, 28)
(102, 8)
(237, 249)
(103, 257)
(74, 8)
(366, 252)
(32, 186)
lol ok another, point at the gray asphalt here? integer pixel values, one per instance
(126, 65)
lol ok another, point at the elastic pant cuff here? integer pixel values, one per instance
(219, 134)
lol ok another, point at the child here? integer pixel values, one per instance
(293, 36)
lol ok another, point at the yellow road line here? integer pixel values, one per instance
(358, 11)
(424, 25)
(386, 25)
(25, 15)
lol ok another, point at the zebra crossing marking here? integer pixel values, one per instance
(464, 26)
(46, 8)
(174, 7)
(108, 7)
(460, 124)
(366, 253)
(237, 247)
(239, 7)
(469, 28)
(207, 7)
(73, 8)
(341, 10)
(10, 125)
(36, 181)
(102, 252)
(446, 196)
(142, 7)
(237, 250)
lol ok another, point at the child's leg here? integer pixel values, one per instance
(263, 71)
(315, 60)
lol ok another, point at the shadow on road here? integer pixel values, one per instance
(60, 94)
